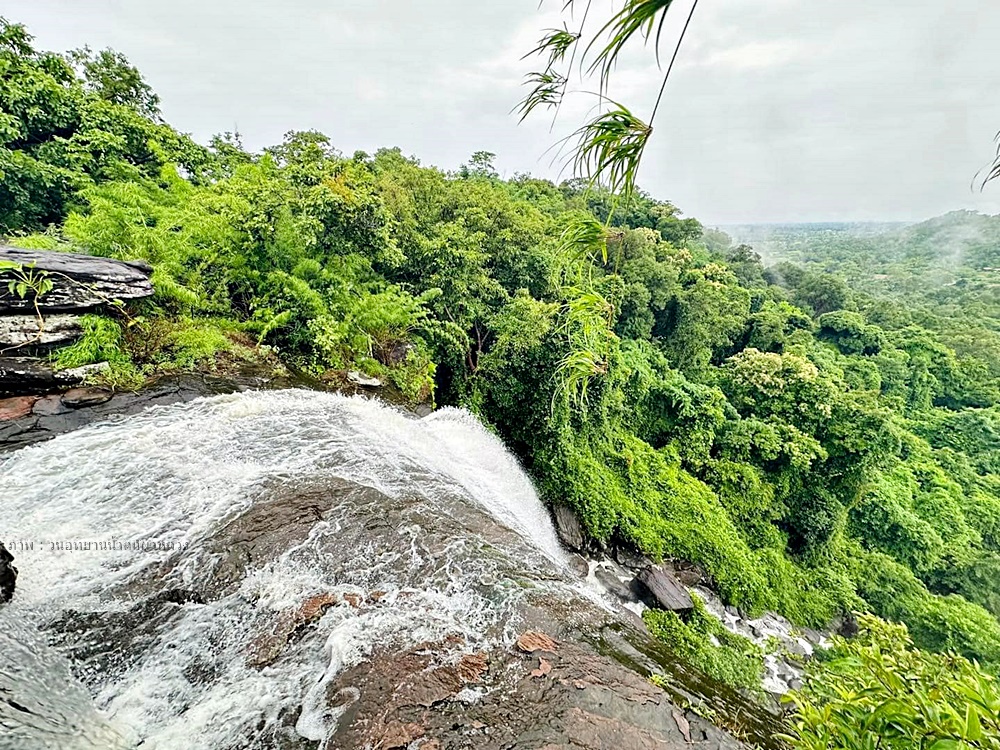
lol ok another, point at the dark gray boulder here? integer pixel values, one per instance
(692, 574)
(568, 528)
(665, 590)
(79, 282)
(8, 575)
(395, 353)
(627, 556)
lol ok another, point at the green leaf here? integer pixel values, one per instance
(973, 727)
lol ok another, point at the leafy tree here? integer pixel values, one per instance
(112, 77)
(60, 133)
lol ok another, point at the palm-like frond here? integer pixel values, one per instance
(556, 43)
(637, 17)
(584, 236)
(549, 85)
(547, 92)
(587, 324)
(609, 150)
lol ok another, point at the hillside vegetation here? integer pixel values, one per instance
(820, 439)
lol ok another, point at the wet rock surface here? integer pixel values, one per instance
(8, 575)
(26, 376)
(574, 676)
(111, 642)
(582, 700)
(568, 527)
(81, 398)
(17, 407)
(31, 419)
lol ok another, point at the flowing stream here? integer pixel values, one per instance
(154, 550)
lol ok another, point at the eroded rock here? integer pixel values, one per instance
(265, 649)
(532, 641)
(472, 667)
(399, 735)
(574, 700)
(544, 667)
(80, 398)
(18, 331)
(114, 640)
(16, 407)
(49, 406)
(21, 376)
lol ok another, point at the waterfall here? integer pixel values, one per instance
(180, 535)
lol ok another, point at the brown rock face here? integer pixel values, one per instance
(400, 735)
(16, 408)
(583, 701)
(472, 667)
(268, 647)
(530, 641)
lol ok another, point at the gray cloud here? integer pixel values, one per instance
(779, 110)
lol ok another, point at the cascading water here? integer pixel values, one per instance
(155, 551)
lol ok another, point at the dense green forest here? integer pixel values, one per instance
(822, 435)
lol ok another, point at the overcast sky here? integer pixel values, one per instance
(779, 110)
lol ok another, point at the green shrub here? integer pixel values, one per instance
(878, 691)
(102, 341)
(193, 342)
(736, 661)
